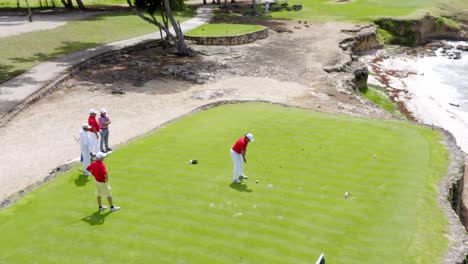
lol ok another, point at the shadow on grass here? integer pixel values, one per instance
(7, 72)
(82, 180)
(97, 218)
(66, 48)
(240, 187)
(186, 13)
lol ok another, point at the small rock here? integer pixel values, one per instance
(462, 47)
(447, 47)
(117, 91)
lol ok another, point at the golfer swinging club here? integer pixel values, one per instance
(238, 152)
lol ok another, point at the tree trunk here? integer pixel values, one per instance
(80, 4)
(40, 3)
(18, 3)
(213, 2)
(30, 15)
(218, 2)
(254, 3)
(182, 48)
(67, 4)
(165, 20)
(153, 21)
(204, 2)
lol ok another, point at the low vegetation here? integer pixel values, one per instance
(220, 30)
(384, 37)
(22, 52)
(378, 96)
(368, 10)
(56, 3)
(447, 22)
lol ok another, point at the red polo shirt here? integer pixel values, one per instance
(93, 123)
(99, 170)
(240, 145)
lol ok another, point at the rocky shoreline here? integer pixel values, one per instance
(392, 80)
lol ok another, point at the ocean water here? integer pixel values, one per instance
(438, 93)
(434, 89)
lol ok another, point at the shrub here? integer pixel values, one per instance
(384, 37)
(447, 22)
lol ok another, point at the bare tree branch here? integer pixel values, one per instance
(154, 22)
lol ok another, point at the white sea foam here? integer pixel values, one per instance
(437, 88)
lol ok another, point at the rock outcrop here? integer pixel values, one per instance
(414, 32)
(364, 39)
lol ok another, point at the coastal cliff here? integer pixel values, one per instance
(414, 32)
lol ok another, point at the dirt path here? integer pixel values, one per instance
(284, 68)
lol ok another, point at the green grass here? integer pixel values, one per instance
(376, 95)
(58, 3)
(22, 52)
(221, 30)
(173, 212)
(367, 10)
(447, 22)
(384, 37)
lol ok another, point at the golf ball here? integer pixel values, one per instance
(257, 181)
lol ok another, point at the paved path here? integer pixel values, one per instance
(15, 25)
(14, 91)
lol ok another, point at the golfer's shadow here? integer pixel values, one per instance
(82, 180)
(240, 187)
(97, 218)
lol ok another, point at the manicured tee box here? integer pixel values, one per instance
(305, 162)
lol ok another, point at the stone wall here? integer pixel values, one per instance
(230, 40)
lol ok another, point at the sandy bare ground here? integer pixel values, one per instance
(15, 25)
(284, 68)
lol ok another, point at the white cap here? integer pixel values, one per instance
(101, 155)
(103, 110)
(92, 111)
(86, 126)
(250, 136)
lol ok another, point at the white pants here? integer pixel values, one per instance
(94, 142)
(86, 159)
(238, 165)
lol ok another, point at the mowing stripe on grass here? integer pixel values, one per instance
(173, 212)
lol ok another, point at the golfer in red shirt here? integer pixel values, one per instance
(94, 131)
(99, 171)
(238, 152)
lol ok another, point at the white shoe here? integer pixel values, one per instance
(102, 208)
(243, 176)
(114, 208)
